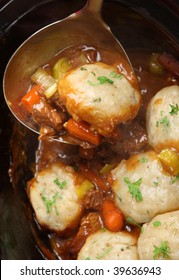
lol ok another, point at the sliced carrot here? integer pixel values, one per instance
(113, 217)
(82, 131)
(32, 97)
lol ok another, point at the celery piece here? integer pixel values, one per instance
(61, 67)
(170, 160)
(84, 187)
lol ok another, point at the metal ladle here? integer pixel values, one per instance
(83, 27)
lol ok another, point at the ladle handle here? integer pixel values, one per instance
(94, 6)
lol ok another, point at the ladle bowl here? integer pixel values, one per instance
(84, 27)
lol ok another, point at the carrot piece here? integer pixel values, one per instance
(82, 131)
(113, 218)
(32, 97)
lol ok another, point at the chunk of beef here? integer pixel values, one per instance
(134, 139)
(45, 115)
(93, 200)
(90, 224)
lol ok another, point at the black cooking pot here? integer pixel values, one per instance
(138, 24)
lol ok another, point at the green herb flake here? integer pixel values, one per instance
(61, 185)
(49, 203)
(174, 109)
(143, 160)
(97, 100)
(83, 68)
(156, 183)
(174, 179)
(103, 254)
(165, 121)
(163, 250)
(113, 74)
(91, 83)
(156, 223)
(87, 258)
(103, 79)
(93, 73)
(134, 188)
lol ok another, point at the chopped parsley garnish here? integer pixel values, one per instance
(163, 251)
(174, 109)
(174, 179)
(165, 121)
(61, 185)
(143, 160)
(49, 203)
(113, 74)
(91, 83)
(103, 254)
(87, 258)
(156, 223)
(156, 183)
(97, 99)
(83, 68)
(134, 188)
(93, 73)
(103, 79)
